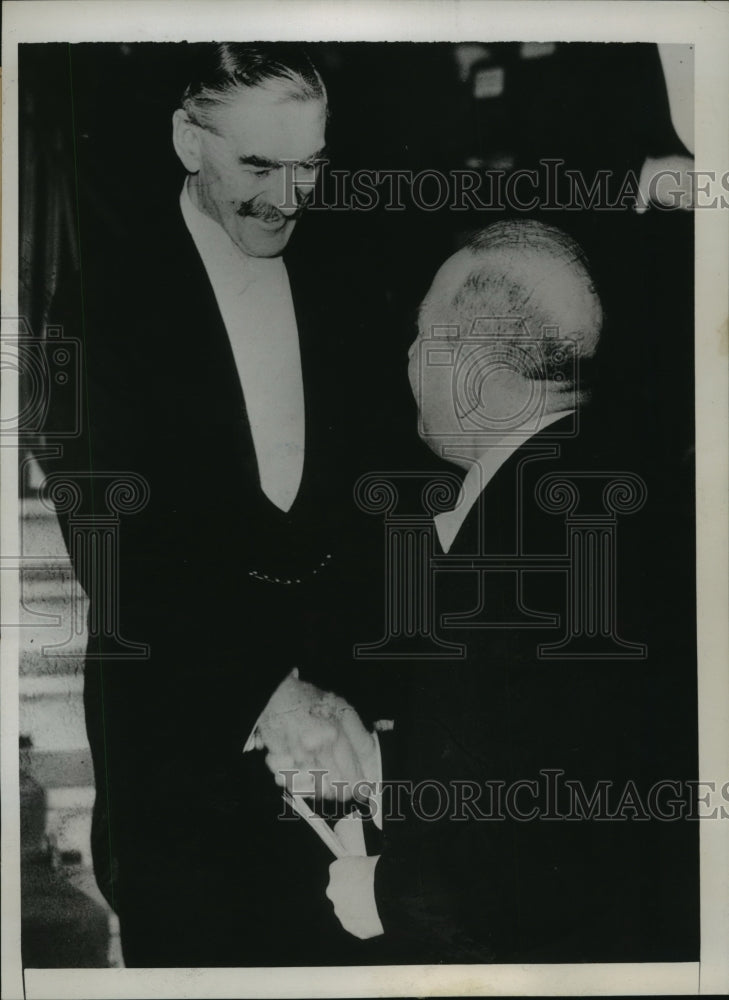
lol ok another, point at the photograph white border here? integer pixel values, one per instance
(706, 26)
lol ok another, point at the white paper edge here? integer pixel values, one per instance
(707, 27)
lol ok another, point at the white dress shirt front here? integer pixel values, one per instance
(254, 298)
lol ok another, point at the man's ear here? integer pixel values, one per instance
(186, 140)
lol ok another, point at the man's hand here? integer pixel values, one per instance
(317, 735)
(352, 891)
(668, 181)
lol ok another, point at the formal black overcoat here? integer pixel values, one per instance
(508, 880)
(227, 592)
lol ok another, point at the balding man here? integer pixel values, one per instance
(518, 314)
(523, 829)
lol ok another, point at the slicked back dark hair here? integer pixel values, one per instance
(223, 69)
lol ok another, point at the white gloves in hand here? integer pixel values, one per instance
(352, 891)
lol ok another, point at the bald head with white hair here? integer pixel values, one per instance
(506, 333)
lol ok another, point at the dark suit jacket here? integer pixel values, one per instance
(228, 592)
(471, 885)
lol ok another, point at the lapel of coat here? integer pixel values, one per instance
(496, 523)
(314, 308)
(205, 366)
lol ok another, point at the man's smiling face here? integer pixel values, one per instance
(256, 166)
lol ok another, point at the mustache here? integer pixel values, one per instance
(255, 209)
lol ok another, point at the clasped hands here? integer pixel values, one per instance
(317, 746)
(316, 743)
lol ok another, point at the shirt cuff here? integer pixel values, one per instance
(250, 743)
(376, 797)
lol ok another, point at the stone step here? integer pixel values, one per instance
(35, 663)
(47, 640)
(51, 713)
(48, 572)
(61, 769)
(31, 509)
(48, 594)
(51, 686)
(40, 532)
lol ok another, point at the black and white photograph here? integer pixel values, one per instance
(364, 498)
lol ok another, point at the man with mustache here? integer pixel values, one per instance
(217, 371)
